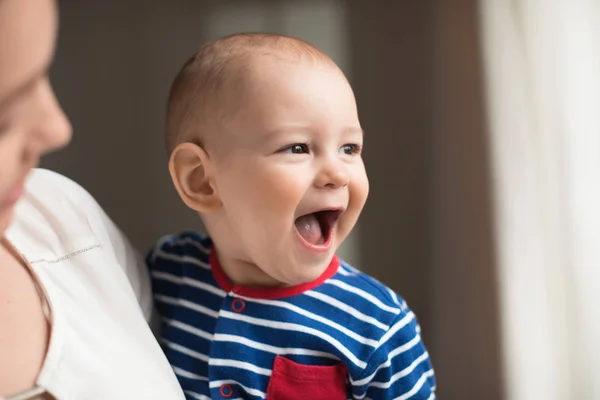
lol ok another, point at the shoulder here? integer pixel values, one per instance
(360, 284)
(57, 217)
(52, 191)
(373, 306)
(42, 181)
(381, 302)
(182, 258)
(53, 218)
(183, 243)
(378, 312)
(399, 345)
(185, 247)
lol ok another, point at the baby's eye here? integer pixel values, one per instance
(350, 149)
(298, 148)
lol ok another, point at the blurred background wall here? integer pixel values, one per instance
(416, 70)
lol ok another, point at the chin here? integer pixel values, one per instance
(5, 220)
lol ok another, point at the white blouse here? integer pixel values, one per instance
(99, 295)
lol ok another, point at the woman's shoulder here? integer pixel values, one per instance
(43, 182)
(56, 216)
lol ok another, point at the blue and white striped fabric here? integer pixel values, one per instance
(223, 340)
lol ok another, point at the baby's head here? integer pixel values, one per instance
(265, 143)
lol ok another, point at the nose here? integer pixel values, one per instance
(332, 174)
(52, 129)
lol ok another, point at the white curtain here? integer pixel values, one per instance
(542, 75)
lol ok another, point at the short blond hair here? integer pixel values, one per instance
(196, 96)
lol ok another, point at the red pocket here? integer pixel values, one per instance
(293, 381)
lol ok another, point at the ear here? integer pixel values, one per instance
(190, 168)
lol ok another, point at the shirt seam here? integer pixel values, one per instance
(64, 256)
(366, 371)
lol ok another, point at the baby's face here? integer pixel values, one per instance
(289, 173)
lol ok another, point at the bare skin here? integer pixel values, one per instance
(292, 150)
(31, 124)
(25, 333)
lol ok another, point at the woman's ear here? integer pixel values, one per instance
(189, 166)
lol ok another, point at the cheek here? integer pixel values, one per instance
(258, 185)
(359, 191)
(262, 194)
(359, 187)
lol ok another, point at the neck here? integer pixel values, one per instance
(244, 273)
(8, 249)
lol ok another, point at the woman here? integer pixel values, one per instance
(74, 297)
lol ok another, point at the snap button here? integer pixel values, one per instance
(226, 390)
(238, 305)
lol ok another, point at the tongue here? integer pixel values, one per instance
(309, 228)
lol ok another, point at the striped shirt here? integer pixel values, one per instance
(344, 335)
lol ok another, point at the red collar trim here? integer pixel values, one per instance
(268, 293)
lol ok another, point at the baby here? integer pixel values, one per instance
(265, 144)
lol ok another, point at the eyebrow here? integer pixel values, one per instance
(308, 129)
(358, 130)
(20, 90)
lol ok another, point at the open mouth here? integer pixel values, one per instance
(317, 228)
